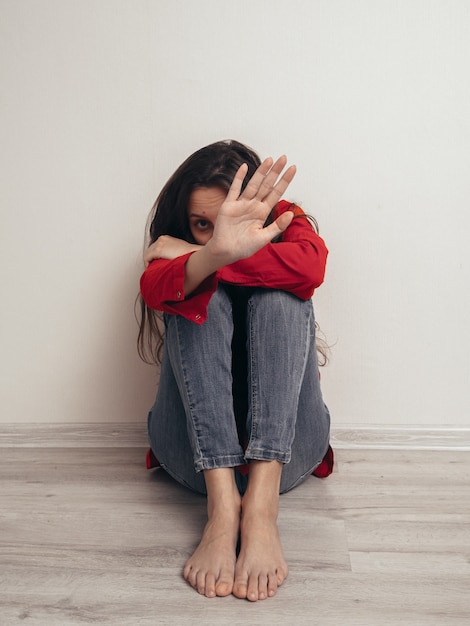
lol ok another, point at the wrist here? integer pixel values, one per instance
(218, 256)
(212, 259)
(201, 264)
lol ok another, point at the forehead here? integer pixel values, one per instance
(206, 200)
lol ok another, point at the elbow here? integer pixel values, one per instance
(315, 268)
(318, 276)
(147, 292)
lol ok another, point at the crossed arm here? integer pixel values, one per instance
(239, 230)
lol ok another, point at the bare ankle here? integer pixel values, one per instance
(223, 497)
(262, 494)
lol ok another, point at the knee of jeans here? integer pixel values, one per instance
(274, 301)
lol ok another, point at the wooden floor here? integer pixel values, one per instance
(88, 536)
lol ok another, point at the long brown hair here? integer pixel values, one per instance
(212, 166)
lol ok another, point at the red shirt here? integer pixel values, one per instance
(295, 264)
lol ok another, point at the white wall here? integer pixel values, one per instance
(102, 99)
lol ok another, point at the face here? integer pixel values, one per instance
(204, 205)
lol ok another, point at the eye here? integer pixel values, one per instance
(202, 224)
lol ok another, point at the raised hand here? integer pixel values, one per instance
(239, 231)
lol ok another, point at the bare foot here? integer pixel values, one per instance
(211, 568)
(260, 567)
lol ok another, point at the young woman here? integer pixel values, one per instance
(239, 414)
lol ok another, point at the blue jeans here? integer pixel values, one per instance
(192, 425)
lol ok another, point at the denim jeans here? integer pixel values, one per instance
(192, 425)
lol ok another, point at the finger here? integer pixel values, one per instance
(280, 187)
(148, 257)
(235, 187)
(257, 179)
(271, 177)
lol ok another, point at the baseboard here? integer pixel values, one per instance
(84, 435)
(103, 435)
(401, 437)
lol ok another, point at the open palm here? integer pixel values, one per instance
(239, 231)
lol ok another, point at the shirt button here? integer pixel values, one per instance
(197, 317)
(178, 294)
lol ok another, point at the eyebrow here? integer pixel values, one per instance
(199, 215)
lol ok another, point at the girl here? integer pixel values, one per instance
(239, 414)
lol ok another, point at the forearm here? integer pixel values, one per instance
(200, 265)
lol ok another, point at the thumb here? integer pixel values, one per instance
(284, 220)
(278, 226)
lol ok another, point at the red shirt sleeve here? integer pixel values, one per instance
(162, 288)
(295, 264)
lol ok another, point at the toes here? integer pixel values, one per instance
(187, 572)
(209, 591)
(273, 583)
(208, 584)
(262, 587)
(246, 586)
(258, 587)
(191, 576)
(240, 588)
(201, 583)
(253, 588)
(224, 586)
(282, 575)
